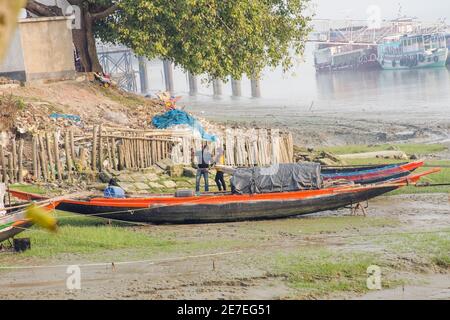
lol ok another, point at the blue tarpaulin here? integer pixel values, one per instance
(176, 117)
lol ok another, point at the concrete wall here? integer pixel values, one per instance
(47, 48)
(13, 65)
(42, 49)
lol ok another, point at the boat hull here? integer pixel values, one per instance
(16, 222)
(371, 174)
(227, 211)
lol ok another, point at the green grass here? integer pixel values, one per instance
(315, 272)
(319, 271)
(317, 225)
(93, 239)
(408, 148)
(435, 246)
(30, 188)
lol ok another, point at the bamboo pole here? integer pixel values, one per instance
(100, 149)
(153, 148)
(94, 149)
(20, 161)
(68, 155)
(57, 159)
(11, 169)
(49, 156)
(72, 146)
(42, 158)
(113, 154)
(108, 151)
(3, 163)
(120, 151)
(35, 158)
(14, 171)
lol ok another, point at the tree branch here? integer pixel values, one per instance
(105, 13)
(75, 2)
(42, 10)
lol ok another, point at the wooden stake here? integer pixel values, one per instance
(68, 155)
(3, 163)
(120, 165)
(94, 149)
(113, 154)
(11, 169)
(100, 149)
(35, 158)
(49, 156)
(72, 146)
(42, 158)
(20, 160)
(14, 160)
(57, 160)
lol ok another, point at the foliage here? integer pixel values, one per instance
(215, 37)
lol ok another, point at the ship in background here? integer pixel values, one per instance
(413, 51)
(345, 57)
(401, 43)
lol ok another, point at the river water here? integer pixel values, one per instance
(348, 104)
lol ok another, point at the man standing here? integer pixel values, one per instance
(203, 161)
(220, 160)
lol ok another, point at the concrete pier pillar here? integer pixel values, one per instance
(236, 88)
(193, 87)
(256, 88)
(217, 87)
(168, 75)
(143, 75)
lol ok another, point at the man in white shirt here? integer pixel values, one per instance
(203, 160)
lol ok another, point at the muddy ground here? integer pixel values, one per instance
(243, 268)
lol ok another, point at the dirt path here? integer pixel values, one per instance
(244, 271)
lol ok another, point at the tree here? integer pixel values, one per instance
(216, 37)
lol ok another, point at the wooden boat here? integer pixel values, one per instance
(15, 221)
(208, 208)
(370, 174)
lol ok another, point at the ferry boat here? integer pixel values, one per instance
(413, 51)
(345, 57)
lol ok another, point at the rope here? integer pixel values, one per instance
(103, 264)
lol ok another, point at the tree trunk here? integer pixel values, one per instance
(80, 42)
(95, 65)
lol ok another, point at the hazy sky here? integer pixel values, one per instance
(426, 10)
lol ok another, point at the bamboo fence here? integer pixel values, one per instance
(64, 156)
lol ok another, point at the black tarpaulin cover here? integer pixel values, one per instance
(277, 178)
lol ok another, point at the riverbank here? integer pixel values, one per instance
(319, 256)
